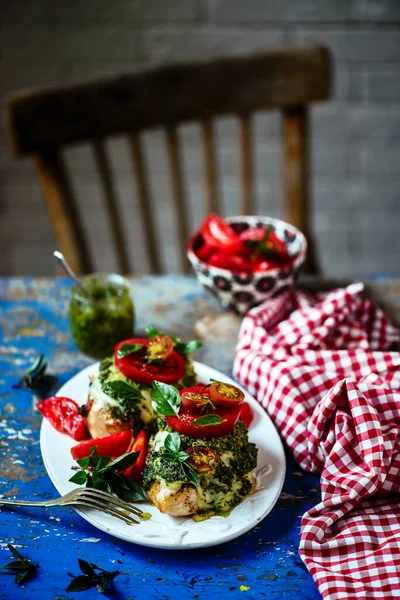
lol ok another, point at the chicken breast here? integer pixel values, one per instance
(178, 504)
(100, 421)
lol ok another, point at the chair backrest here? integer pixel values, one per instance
(43, 122)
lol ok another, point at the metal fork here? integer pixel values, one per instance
(90, 497)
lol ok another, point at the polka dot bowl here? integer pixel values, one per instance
(241, 291)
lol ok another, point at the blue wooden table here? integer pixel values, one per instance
(263, 563)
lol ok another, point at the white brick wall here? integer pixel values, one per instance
(355, 179)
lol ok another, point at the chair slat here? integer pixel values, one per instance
(179, 195)
(210, 162)
(142, 188)
(62, 207)
(246, 166)
(113, 211)
(295, 174)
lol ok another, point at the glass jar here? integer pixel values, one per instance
(98, 322)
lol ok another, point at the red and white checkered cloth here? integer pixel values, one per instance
(325, 369)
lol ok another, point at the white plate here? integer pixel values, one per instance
(164, 531)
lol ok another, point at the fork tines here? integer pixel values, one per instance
(105, 502)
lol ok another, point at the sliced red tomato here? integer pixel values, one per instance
(224, 259)
(195, 398)
(140, 445)
(202, 459)
(183, 423)
(225, 395)
(111, 445)
(246, 413)
(62, 414)
(218, 234)
(136, 365)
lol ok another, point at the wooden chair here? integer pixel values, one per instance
(43, 122)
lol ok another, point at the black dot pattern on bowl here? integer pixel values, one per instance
(222, 283)
(290, 236)
(245, 297)
(239, 227)
(285, 272)
(243, 278)
(265, 284)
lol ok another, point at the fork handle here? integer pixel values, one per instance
(43, 503)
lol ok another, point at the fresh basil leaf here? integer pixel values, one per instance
(190, 473)
(123, 462)
(86, 567)
(100, 463)
(16, 554)
(182, 456)
(15, 565)
(165, 399)
(80, 478)
(126, 349)
(153, 332)
(186, 347)
(24, 576)
(169, 456)
(123, 487)
(207, 420)
(84, 462)
(172, 442)
(80, 583)
(121, 390)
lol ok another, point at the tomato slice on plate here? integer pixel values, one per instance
(62, 414)
(196, 398)
(136, 365)
(246, 414)
(140, 445)
(225, 395)
(202, 459)
(183, 423)
(112, 445)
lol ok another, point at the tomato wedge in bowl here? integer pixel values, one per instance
(151, 361)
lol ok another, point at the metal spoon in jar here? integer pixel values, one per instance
(63, 262)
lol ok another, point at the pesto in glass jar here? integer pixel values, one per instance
(98, 322)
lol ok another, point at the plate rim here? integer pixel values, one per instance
(90, 516)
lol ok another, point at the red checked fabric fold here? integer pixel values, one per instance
(325, 369)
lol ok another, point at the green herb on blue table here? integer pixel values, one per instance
(22, 567)
(90, 578)
(103, 473)
(37, 380)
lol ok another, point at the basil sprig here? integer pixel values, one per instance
(173, 453)
(207, 420)
(100, 472)
(90, 578)
(22, 567)
(126, 349)
(37, 380)
(180, 346)
(122, 391)
(165, 399)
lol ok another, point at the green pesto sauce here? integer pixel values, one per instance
(219, 481)
(97, 325)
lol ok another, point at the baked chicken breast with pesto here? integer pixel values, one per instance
(200, 461)
(119, 396)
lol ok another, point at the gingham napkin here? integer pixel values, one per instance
(325, 369)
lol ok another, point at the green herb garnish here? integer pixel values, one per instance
(172, 445)
(207, 420)
(165, 399)
(121, 390)
(179, 345)
(37, 380)
(101, 473)
(90, 578)
(126, 349)
(23, 567)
